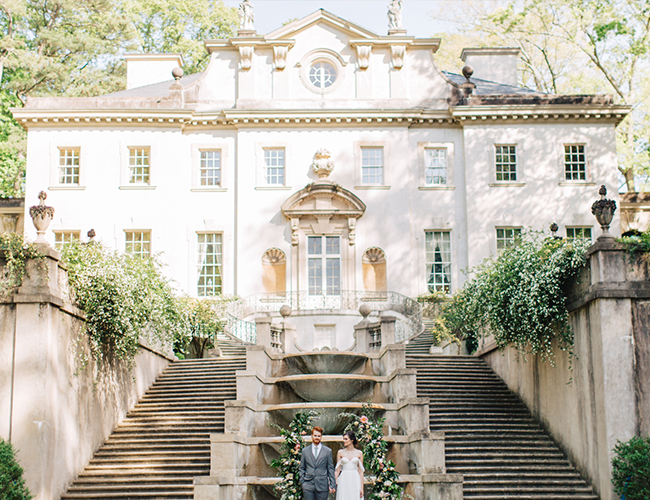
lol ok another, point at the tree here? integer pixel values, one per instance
(581, 46)
(181, 26)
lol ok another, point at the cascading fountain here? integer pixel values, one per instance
(280, 382)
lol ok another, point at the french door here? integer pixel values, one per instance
(324, 260)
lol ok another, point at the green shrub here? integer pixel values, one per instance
(637, 244)
(123, 296)
(202, 318)
(15, 250)
(12, 484)
(631, 468)
(518, 296)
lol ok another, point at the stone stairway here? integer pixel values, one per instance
(165, 440)
(490, 436)
(422, 343)
(229, 346)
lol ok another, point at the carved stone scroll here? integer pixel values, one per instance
(363, 54)
(398, 52)
(280, 56)
(246, 56)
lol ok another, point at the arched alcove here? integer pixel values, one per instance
(274, 271)
(373, 264)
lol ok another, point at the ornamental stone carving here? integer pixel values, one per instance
(363, 55)
(322, 165)
(295, 227)
(280, 56)
(246, 16)
(41, 217)
(395, 15)
(352, 230)
(603, 210)
(398, 51)
(246, 56)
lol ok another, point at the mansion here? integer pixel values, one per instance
(320, 157)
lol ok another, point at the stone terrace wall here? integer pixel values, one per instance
(56, 405)
(602, 395)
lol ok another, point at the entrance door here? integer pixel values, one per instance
(324, 256)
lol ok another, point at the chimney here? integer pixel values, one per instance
(147, 69)
(493, 64)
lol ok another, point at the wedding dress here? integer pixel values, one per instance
(349, 481)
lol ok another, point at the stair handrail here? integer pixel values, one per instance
(409, 311)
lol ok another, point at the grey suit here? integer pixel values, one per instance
(317, 473)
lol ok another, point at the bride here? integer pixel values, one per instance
(349, 470)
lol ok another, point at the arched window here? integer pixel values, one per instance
(274, 271)
(373, 264)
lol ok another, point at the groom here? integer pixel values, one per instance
(317, 469)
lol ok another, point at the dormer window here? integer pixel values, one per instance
(322, 75)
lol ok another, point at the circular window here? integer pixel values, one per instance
(322, 75)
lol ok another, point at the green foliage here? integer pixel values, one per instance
(638, 244)
(12, 484)
(181, 26)
(631, 468)
(123, 296)
(288, 464)
(370, 434)
(518, 296)
(201, 318)
(15, 251)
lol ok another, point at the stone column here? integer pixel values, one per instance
(361, 336)
(388, 330)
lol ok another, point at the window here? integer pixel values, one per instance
(506, 163)
(322, 75)
(138, 165)
(507, 236)
(435, 166)
(210, 168)
(274, 166)
(69, 166)
(578, 233)
(372, 165)
(63, 237)
(138, 243)
(209, 263)
(438, 261)
(575, 165)
(324, 259)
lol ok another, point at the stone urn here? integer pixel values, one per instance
(604, 210)
(41, 217)
(322, 165)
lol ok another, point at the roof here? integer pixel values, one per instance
(156, 89)
(486, 87)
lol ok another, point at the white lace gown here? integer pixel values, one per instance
(349, 482)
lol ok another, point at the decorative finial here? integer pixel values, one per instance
(91, 235)
(395, 15)
(246, 16)
(468, 71)
(322, 165)
(365, 310)
(554, 228)
(285, 311)
(177, 73)
(604, 210)
(41, 217)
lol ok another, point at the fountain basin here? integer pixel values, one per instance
(328, 418)
(331, 387)
(325, 362)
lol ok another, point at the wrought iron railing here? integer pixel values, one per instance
(409, 311)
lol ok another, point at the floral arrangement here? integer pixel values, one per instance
(289, 462)
(369, 432)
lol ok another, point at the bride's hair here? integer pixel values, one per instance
(352, 437)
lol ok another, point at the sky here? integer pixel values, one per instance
(418, 15)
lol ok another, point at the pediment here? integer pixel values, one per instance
(321, 16)
(323, 199)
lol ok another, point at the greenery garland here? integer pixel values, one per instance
(288, 463)
(518, 296)
(15, 250)
(370, 434)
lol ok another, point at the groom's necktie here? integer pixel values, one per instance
(316, 450)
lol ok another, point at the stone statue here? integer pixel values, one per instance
(246, 16)
(395, 15)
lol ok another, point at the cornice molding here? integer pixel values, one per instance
(532, 113)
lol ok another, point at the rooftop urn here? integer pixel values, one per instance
(322, 165)
(41, 217)
(603, 210)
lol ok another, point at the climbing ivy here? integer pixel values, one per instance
(518, 296)
(15, 251)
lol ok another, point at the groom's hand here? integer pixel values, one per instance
(332, 490)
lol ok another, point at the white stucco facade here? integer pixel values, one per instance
(256, 100)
